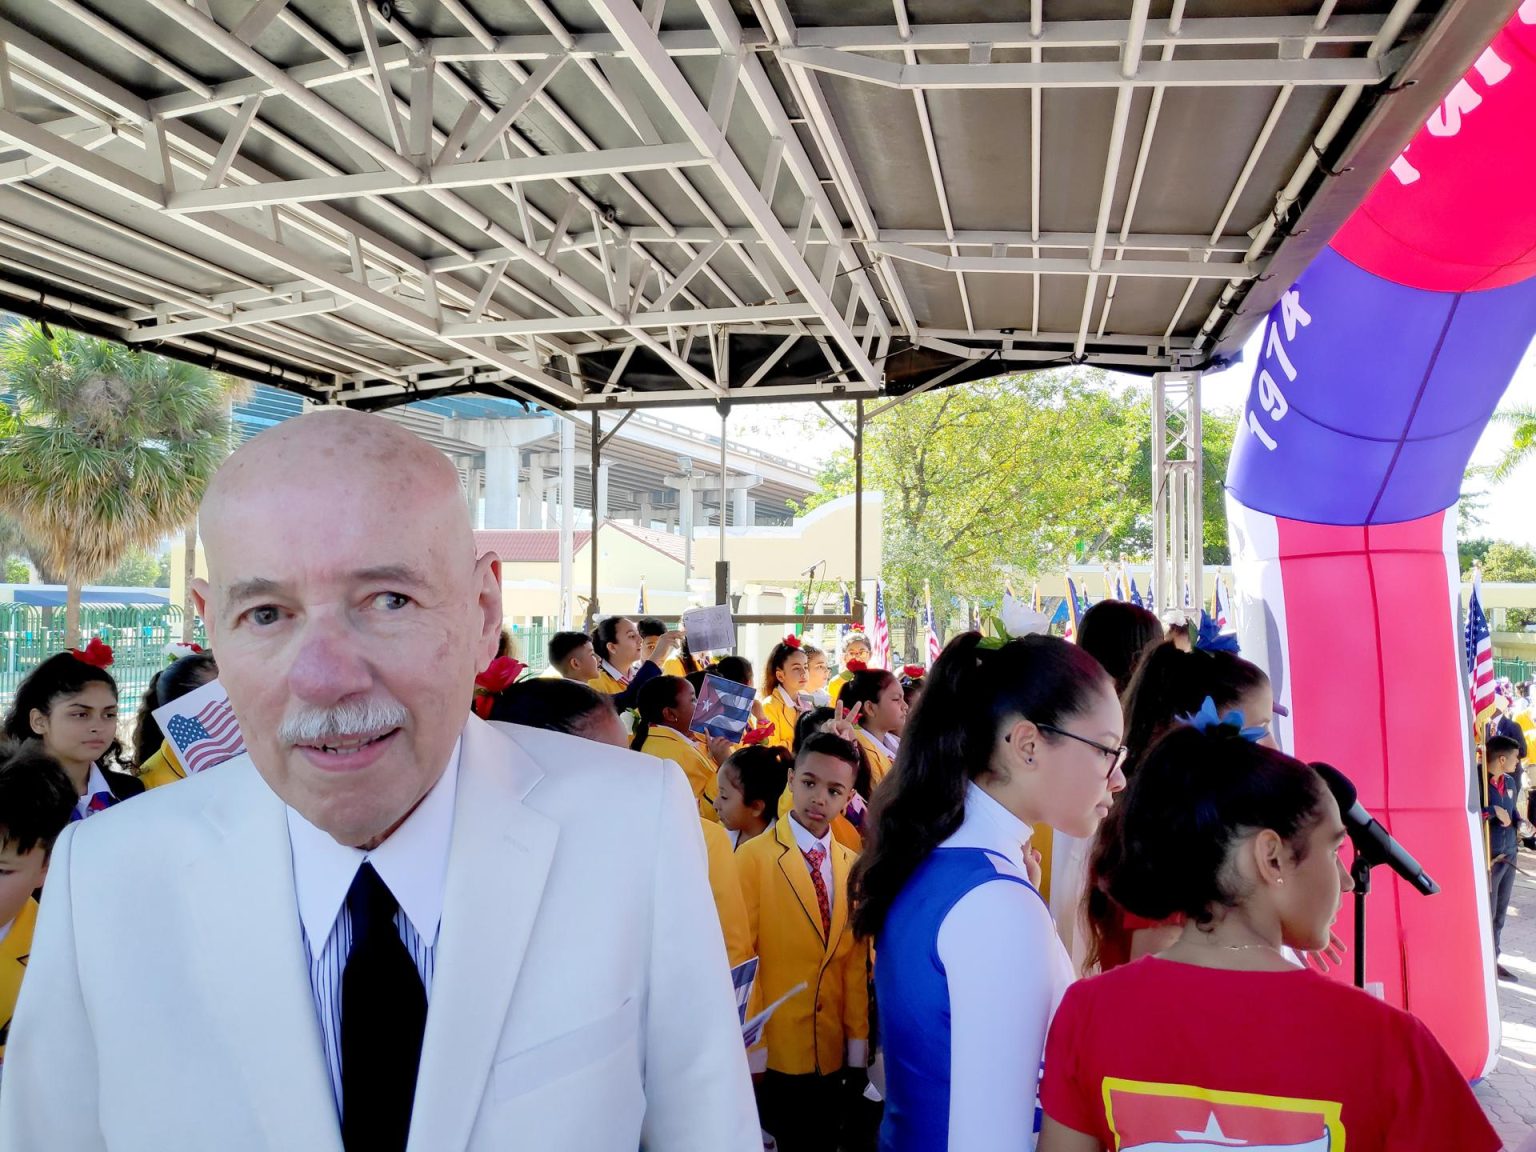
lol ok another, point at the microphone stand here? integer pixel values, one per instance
(1360, 873)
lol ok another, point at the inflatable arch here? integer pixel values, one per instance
(1377, 373)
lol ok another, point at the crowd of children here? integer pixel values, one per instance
(925, 867)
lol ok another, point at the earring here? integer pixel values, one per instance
(1029, 759)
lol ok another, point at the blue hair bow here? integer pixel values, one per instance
(1211, 638)
(1207, 718)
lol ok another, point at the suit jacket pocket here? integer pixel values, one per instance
(570, 1052)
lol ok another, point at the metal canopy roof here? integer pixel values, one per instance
(591, 203)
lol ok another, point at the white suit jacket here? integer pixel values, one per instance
(581, 999)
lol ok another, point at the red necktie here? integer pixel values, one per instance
(814, 857)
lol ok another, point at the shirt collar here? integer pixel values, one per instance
(413, 863)
(622, 677)
(782, 693)
(989, 825)
(806, 841)
(95, 783)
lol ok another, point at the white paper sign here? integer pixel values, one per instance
(710, 629)
(201, 728)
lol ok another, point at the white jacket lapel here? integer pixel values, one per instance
(497, 865)
(251, 964)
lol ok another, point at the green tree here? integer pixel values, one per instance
(1513, 563)
(112, 450)
(1020, 474)
(1470, 553)
(138, 569)
(1523, 444)
(16, 570)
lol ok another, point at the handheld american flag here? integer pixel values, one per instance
(207, 737)
(1479, 645)
(880, 634)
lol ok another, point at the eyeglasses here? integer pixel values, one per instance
(1115, 756)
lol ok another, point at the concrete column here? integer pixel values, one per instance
(506, 505)
(743, 508)
(472, 494)
(530, 513)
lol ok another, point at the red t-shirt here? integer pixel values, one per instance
(1172, 1056)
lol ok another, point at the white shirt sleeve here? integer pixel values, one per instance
(1003, 964)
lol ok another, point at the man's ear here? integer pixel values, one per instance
(488, 599)
(200, 595)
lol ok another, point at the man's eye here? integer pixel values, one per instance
(391, 601)
(264, 615)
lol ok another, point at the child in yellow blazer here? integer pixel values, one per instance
(784, 679)
(662, 730)
(36, 802)
(794, 880)
(154, 757)
(875, 696)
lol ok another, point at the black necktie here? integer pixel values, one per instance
(383, 1016)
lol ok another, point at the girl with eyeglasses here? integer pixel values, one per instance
(969, 968)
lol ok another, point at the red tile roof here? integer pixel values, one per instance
(525, 545)
(669, 544)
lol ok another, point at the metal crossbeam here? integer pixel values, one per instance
(1336, 73)
(440, 176)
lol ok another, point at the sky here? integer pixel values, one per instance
(1507, 514)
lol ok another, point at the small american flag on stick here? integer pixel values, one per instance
(210, 737)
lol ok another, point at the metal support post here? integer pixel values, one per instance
(1178, 555)
(858, 500)
(597, 463)
(567, 520)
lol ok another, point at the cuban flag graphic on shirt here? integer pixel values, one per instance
(1178, 1118)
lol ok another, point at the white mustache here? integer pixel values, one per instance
(354, 718)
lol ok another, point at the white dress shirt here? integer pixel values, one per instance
(413, 864)
(95, 783)
(621, 677)
(1006, 971)
(806, 842)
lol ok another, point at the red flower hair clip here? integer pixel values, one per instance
(96, 654)
(756, 735)
(792, 641)
(914, 671)
(502, 672)
(856, 666)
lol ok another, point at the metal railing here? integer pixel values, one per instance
(138, 634)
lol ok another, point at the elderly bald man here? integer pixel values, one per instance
(390, 925)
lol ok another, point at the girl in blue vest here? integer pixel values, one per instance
(968, 967)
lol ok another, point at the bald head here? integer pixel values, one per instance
(349, 612)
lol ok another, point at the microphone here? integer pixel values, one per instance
(1371, 840)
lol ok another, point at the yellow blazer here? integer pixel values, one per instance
(665, 744)
(725, 883)
(782, 714)
(162, 768)
(673, 666)
(814, 1030)
(14, 950)
(880, 761)
(606, 684)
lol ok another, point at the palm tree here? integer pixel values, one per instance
(111, 451)
(1523, 421)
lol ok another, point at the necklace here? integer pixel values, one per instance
(1236, 947)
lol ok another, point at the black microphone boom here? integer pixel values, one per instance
(1371, 840)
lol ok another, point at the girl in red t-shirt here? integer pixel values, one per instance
(1219, 1041)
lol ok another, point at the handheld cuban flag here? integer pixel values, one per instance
(934, 647)
(1479, 645)
(202, 729)
(1074, 612)
(880, 634)
(724, 708)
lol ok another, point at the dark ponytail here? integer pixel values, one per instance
(655, 697)
(761, 772)
(1168, 683)
(779, 657)
(864, 687)
(606, 633)
(170, 683)
(950, 737)
(1196, 794)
